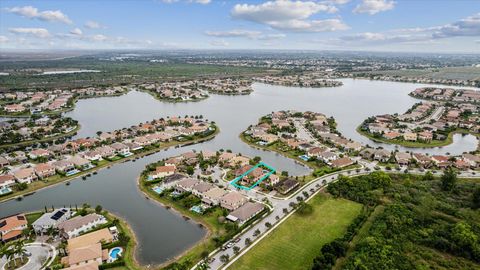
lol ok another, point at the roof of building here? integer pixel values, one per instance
(85, 253)
(51, 218)
(12, 222)
(78, 222)
(247, 211)
(90, 238)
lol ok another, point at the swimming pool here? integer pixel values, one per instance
(197, 209)
(304, 157)
(114, 253)
(5, 190)
(158, 190)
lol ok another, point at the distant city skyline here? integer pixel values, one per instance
(355, 25)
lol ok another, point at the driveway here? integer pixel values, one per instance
(40, 253)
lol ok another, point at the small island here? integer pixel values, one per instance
(302, 80)
(425, 124)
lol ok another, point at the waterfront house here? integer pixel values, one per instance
(106, 151)
(367, 153)
(245, 212)
(201, 188)
(233, 200)
(186, 184)
(26, 175)
(121, 149)
(425, 136)
(162, 171)
(6, 181)
(51, 220)
(213, 196)
(11, 227)
(44, 170)
(78, 225)
(100, 236)
(92, 155)
(86, 254)
(80, 163)
(410, 136)
(133, 146)
(63, 166)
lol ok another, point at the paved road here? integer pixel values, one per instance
(40, 253)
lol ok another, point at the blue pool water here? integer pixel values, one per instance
(158, 190)
(304, 157)
(115, 252)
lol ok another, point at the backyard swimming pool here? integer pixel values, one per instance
(114, 253)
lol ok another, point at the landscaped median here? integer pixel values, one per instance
(34, 186)
(295, 243)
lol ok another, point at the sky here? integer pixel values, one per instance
(438, 26)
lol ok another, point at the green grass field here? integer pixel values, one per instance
(295, 243)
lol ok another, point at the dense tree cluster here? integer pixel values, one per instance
(425, 223)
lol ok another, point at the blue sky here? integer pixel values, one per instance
(373, 25)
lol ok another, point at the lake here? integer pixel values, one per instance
(161, 233)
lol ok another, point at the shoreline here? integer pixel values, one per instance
(106, 165)
(448, 141)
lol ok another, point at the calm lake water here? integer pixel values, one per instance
(161, 233)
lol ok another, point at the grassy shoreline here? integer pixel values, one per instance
(39, 185)
(447, 141)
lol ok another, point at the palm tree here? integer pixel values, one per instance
(19, 249)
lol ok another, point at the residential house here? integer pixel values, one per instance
(25, 175)
(162, 171)
(51, 220)
(245, 212)
(342, 162)
(6, 181)
(11, 227)
(233, 200)
(44, 170)
(213, 196)
(78, 225)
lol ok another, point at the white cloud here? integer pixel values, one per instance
(469, 26)
(36, 32)
(219, 43)
(93, 25)
(374, 6)
(272, 36)
(239, 33)
(234, 33)
(203, 2)
(33, 13)
(99, 37)
(76, 31)
(289, 15)
(3, 39)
